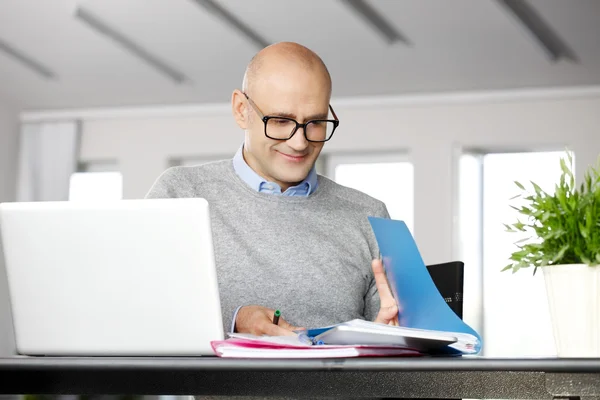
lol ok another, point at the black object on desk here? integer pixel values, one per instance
(450, 378)
(449, 280)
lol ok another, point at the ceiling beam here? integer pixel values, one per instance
(555, 47)
(27, 61)
(234, 22)
(104, 29)
(376, 21)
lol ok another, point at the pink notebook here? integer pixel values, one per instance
(250, 346)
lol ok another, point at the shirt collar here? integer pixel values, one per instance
(256, 182)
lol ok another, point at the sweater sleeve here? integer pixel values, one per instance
(372, 303)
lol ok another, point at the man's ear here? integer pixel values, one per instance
(239, 108)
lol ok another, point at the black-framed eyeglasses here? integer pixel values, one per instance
(283, 128)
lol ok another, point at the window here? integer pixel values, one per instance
(516, 319)
(96, 182)
(386, 177)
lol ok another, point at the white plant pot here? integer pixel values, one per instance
(573, 293)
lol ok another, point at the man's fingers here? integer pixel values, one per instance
(287, 326)
(387, 314)
(258, 320)
(276, 330)
(284, 324)
(385, 294)
(388, 311)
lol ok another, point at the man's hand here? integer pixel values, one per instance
(388, 310)
(258, 320)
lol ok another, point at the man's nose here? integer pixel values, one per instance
(298, 142)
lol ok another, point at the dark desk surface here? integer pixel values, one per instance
(466, 377)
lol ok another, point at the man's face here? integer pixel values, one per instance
(301, 95)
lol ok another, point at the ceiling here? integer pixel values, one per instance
(451, 45)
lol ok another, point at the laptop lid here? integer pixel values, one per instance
(131, 278)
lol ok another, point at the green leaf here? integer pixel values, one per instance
(522, 240)
(545, 216)
(560, 254)
(583, 230)
(509, 228)
(534, 247)
(538, 190)
(564, 167)
(519, 255)
(589, 219)
(519, 226)
(526, 211)
(507, 268)
(519, 185)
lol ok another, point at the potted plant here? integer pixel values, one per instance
(562, 237)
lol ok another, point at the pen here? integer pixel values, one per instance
(276, 317)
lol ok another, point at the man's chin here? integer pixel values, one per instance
(292, 179)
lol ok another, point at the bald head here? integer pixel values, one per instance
(284, 82)
(281, 57)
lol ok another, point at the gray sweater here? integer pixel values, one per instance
(309, 257)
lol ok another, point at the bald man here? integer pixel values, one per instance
(285, 237)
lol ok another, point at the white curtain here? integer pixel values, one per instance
(48, 157)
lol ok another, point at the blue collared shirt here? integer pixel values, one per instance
(258, 183)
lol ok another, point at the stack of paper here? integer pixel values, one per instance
(426, 341)
(250, 346)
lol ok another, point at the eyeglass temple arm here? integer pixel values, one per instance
(333, 113)
(255, 107)
(258, 111)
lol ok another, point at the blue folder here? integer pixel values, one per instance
(421, 304)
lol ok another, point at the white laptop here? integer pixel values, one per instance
(126, 278)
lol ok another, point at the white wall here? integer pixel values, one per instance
(433, 130)
(9, 130)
